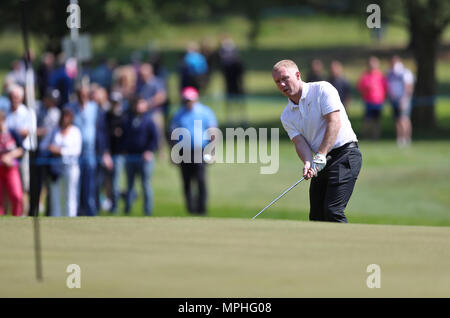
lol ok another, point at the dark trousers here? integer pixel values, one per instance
(194, 173)
(136, 165)
(332, 188)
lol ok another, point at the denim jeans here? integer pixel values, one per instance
(88, 193)
(137, 165)
(119, 161)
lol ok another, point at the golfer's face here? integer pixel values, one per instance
(287, 81)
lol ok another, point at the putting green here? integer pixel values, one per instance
(208, 257)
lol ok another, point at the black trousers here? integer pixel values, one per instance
(332, 188)
(194, 173)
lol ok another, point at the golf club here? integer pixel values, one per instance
(289, 189)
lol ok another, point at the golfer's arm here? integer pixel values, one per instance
(304, 151)
(333, 126)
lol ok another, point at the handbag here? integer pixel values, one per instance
(53, 162)
(55, 167)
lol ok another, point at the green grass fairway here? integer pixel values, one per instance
(209, 257)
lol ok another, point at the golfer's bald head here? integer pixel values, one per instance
(288, 64)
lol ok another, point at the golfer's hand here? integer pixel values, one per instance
(319, 162)
(308, 172)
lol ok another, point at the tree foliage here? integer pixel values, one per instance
(47, 18)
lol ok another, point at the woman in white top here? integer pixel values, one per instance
(66, 143)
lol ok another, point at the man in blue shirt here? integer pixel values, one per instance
(60, 79)
(194, 68)
(154, 91)
(91, 120)
(189, 116)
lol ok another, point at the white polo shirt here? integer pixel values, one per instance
(307, 118)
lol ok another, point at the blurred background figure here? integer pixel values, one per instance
(116, 118)
(400, 87)
(48, 113)
(20, 119)
(233, 72)
(5, 103)
(102, 74)
(91, 121)
(372, 86)
(99, 95)
(194, 172)
(48, 118)
(194, 68)
(141, 140)
(62, 78)
(65, 148)
(338, 80)
(43, 73)
(316, 73)
(161, 72)
(154, 92)
(208, 50)
(10, 181)
(17, 72)
(125, 82)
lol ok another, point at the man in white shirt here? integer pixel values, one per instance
(22, 120)
(19, 117)
(317, 124)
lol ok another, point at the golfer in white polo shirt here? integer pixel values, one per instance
(317, 124)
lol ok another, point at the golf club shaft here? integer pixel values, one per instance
(289, 189)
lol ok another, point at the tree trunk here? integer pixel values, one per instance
(425, 36)
(425, 50)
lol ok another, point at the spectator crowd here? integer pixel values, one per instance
(98, 124)
(375, 88)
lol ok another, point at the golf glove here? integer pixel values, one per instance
(319, 162)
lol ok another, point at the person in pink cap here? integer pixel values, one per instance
(193, 169)
(373, 88)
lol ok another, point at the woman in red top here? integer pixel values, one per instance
(10, 151)
(373, 87)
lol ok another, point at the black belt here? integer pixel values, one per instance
(336, 151)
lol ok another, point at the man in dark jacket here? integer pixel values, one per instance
(141, 140)
(116, 118)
